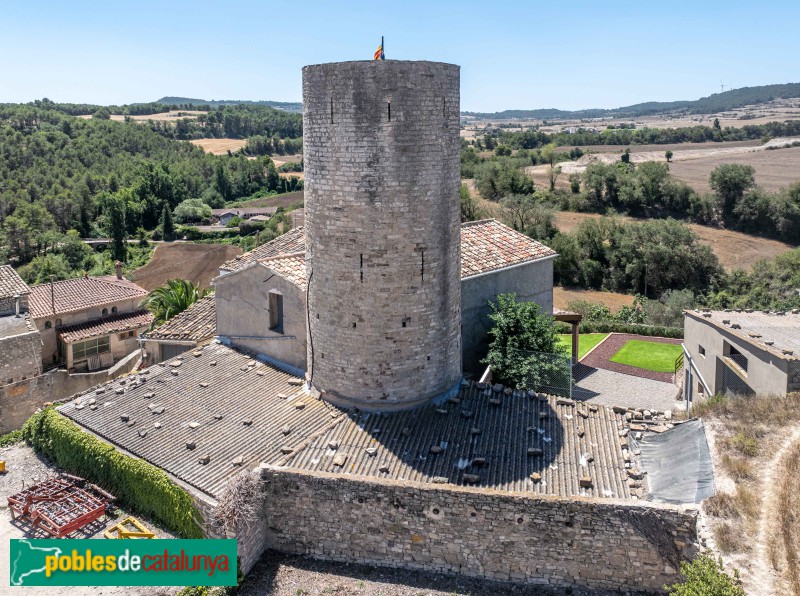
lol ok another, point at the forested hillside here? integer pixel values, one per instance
(60, 173)
(717, 102)
(289, 106)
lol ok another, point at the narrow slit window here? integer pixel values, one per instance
(331, 110)
(422, 266)
(389, 110)
(361, 267)
(276, 312)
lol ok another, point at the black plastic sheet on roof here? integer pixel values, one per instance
(678, 464)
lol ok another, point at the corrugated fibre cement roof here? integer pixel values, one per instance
(204, 416)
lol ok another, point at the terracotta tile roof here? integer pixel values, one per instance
(106, 326)
(289, 243)
(250, 410)
(196, 323)
(292, 267)
(81, 293)
(488, 245)
(11, 283)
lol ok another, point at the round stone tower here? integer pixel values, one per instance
(381, 155)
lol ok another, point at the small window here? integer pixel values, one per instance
(276, 312)
(702, 351)
(58, 322)
(113, 310)
(104, 313)
(132, 333)
(47, 324)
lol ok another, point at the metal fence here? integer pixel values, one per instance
(546, 373)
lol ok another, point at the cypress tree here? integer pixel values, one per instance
(166, 223)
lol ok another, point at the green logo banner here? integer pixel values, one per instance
(85, 562)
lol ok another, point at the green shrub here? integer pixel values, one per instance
(705, 576)
(15, 436)
(140, 485)
(618, 327)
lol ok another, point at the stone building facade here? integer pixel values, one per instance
(381, 151)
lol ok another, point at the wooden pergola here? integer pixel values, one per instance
(574, 319)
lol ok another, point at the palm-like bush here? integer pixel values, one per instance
(169, 300)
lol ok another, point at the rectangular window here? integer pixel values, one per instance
(90, 347)
(735, 356)
(276, 312)
(702, 351)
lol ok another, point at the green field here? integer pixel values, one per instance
(586, 342)
(648, 355)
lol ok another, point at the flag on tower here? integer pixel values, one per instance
(379, 55)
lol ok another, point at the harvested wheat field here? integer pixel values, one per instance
(219, 146)
(199, 263)
(774, 169)
(279, 160)
(563, 296)
(734, 250)
(160, 117)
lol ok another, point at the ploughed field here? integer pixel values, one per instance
(199, 263)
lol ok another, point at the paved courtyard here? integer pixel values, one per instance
(611, 388)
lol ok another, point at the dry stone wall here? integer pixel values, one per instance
(382, 171)
(608, 544)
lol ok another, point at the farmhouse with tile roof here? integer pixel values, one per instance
(88, 323)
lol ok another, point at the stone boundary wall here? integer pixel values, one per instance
(18, 401)
(596, 544)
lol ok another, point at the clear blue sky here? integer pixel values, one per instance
(525, 54)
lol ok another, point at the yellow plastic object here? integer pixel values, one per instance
(2, 466)
(130, 527)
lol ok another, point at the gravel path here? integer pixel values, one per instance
(600, 356)
(278, 574)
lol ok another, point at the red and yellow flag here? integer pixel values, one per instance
(379, 55)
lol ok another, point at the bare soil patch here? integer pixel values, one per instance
(734, 250)
(219, 146)
(754, 519)
(285, 200)
(563, 296)
(199, 263)
(279, 160)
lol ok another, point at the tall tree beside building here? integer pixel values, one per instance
(115, 220)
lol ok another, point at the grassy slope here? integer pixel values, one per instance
(648, 355)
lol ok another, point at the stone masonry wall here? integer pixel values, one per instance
(382, 174)
(608, 544)
(20, 357)
(8, 305)
(21, 399)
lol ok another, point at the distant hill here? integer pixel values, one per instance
(288, 106)
(718, 102)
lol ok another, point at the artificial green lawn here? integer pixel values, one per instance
(648, 355)
(586, 342)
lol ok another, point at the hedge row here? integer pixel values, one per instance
(141, 486)
(618, 327)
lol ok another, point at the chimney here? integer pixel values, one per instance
(118, 267)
